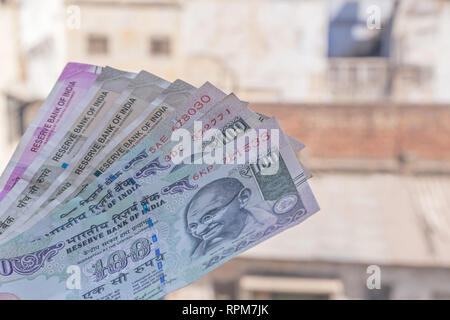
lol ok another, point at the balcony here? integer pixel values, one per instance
(358, 79)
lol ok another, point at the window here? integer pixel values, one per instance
(160, 46)
(384, 293)
(298, 296)
(225, 290)
(297, 288)
(97, 44)
(348, 35)
(21, 113)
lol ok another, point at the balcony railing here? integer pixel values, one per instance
(357, 78)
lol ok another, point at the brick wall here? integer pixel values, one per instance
(390, 132)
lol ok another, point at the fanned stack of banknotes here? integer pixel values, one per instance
(127, 186)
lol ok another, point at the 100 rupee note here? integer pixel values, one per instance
(161, 238)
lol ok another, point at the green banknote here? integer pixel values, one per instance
(147, 234)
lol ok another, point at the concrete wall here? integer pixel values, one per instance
(129, 28)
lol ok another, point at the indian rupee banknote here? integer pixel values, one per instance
(158, 139)
(158, 111)
(131, 105)
(54, 157)
(171, 230)
(123, 146)
(116, 138)
(71, 86)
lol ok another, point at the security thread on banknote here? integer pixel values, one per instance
(142, 188)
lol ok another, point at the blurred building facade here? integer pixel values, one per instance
(364, 84)
(266, 51)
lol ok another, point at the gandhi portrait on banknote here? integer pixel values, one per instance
(219, 212)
